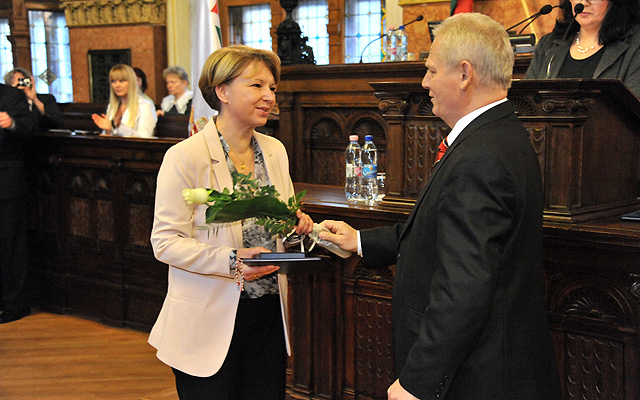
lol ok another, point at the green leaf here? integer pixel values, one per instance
(250, 200)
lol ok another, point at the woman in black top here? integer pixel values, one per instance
(602, 42)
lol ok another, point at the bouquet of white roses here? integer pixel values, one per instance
(248, 200)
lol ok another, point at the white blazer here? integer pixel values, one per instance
(145, 123)
(194, 329)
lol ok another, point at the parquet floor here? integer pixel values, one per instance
(55, 357)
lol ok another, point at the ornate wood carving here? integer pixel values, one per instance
(568, 105)
(594, 368)
(112, 12)
(421, 144)
(524, 106)
(374, 347)
(590, 302)
(327, 132)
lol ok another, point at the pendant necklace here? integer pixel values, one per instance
(243, 164)
(580, 48)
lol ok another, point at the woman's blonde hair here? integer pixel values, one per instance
(226, 64)
(126, 73)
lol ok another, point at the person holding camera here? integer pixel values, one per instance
(43, 106)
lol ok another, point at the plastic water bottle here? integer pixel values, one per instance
(354, 170)
(369, 181)
(402, 44)
(390, 45)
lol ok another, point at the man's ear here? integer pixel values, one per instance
(466, 74)
(221, 92)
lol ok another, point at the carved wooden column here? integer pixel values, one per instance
(393, 106)
(20, 38)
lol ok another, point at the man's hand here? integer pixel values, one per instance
(341, 234)
(5, 120)
(397, 392)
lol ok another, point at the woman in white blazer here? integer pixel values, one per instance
(223, 342)
(129, 113)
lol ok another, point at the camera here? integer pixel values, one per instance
(24, 82)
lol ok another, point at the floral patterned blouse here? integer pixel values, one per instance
(254, 235)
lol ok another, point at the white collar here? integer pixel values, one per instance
(467, 119)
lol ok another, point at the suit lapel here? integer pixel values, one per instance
(612, 52)
(498, 112)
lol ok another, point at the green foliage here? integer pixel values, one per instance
(250, 200)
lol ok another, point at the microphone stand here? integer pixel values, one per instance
(577, 10)
(543, 11)
(418, 18)
(365, 47)
(537, 16)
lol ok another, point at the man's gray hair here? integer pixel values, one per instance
(481, 41)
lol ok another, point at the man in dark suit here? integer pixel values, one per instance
(44, 107)
(16, 127)
(469, 318)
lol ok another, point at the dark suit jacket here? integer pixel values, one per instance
(52, 118)
(13, 180)
(469, 317)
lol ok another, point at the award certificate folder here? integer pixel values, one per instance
(292, 262)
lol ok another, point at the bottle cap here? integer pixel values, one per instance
(368, 138)
(353, 138)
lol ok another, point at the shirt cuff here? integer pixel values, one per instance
(359, 244)
(233, 257)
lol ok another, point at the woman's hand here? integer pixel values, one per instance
(305, 223)
(254, 273)
(102, 122)
(160, 113)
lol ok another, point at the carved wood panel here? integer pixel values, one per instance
(374, 346)
(326, 136)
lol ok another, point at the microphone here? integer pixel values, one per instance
(576, 10)
(365, 47)
(546, 9)
(543, 11)
(418, 18)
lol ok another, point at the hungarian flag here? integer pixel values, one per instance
(206, 38)
(461, 6)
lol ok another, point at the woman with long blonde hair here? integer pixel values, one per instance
(128, 113)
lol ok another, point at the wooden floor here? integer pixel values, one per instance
(48, 356)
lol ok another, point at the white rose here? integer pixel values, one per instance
(196, 196)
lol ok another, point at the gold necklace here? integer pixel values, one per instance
(580, 48)
(243, 164)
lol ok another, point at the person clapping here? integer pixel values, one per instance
(129, 113)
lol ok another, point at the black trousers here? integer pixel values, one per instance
(255, 367)
(14, 255)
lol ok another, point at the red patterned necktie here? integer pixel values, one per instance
(442, 148)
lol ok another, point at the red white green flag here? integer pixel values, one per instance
(461, 6)
(206, 37)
